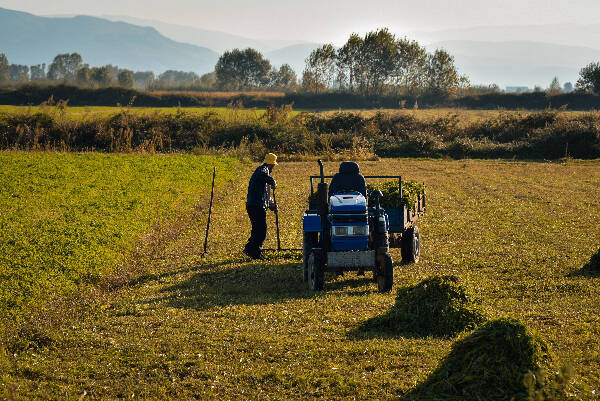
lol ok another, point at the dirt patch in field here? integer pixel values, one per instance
(438, 306)
(502, 360)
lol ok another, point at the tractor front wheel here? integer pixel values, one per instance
(315, 271)
(385, 270)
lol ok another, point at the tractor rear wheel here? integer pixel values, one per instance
(309, 241)
(316, 271)
(411, 245)
(385, 276)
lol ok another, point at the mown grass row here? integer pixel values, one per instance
(538, 135)
(68, 220)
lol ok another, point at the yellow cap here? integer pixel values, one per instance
(271, 158)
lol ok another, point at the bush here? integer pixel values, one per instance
(538, 135)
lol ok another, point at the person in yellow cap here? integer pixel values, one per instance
(257, 203)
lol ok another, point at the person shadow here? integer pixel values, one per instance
(251, 283)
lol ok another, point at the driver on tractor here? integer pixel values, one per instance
(349, 179)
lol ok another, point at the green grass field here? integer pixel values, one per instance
(79, 112)
(464, 115)
(222, 327)
(68, 220)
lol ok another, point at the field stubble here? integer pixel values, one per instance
(514, 233)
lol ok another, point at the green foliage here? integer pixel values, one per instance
(442, 76)
(242, 69)
(391, 193)
(143, 79)
(283, 78)
(380, 63)
(19, 73)
(65, 66)
(101, 76)
(320, 70)
(589, 78)
(437, 306)
(489, 364)
(126, 79)
(4, 69)
(67, 220)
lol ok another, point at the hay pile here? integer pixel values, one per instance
(438, 306)
(493, 363)
(594, 264)
(391, 195)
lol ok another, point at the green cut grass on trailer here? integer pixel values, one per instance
(68, 219)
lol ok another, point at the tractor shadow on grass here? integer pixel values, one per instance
(250, 283)
(333, 283)
(378, 328)
(247, 284)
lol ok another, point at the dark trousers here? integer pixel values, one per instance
(258, 218)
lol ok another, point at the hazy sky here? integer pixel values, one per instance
(326, 20)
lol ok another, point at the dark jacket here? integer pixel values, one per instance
(258, 188)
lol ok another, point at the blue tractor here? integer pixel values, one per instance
(342, 232)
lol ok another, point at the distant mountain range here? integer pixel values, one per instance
(29, 39)
(518, 63)
(278, 52)
(560, 34)
(516, 55)
(217, 41)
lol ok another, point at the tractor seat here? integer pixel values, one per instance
(349, 179)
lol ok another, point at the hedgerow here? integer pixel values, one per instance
(540, 135)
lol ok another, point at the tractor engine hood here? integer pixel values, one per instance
(347, 202)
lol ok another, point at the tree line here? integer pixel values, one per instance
(70, 68)
(236, 70)
(376, 64)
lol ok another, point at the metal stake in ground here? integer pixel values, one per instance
(212, 193)
(277, 221)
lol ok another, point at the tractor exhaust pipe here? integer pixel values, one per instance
(323, 207)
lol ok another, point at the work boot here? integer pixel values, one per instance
(252, 254)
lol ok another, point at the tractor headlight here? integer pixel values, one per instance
(360, 230)
(346, 231)
(340, 230)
